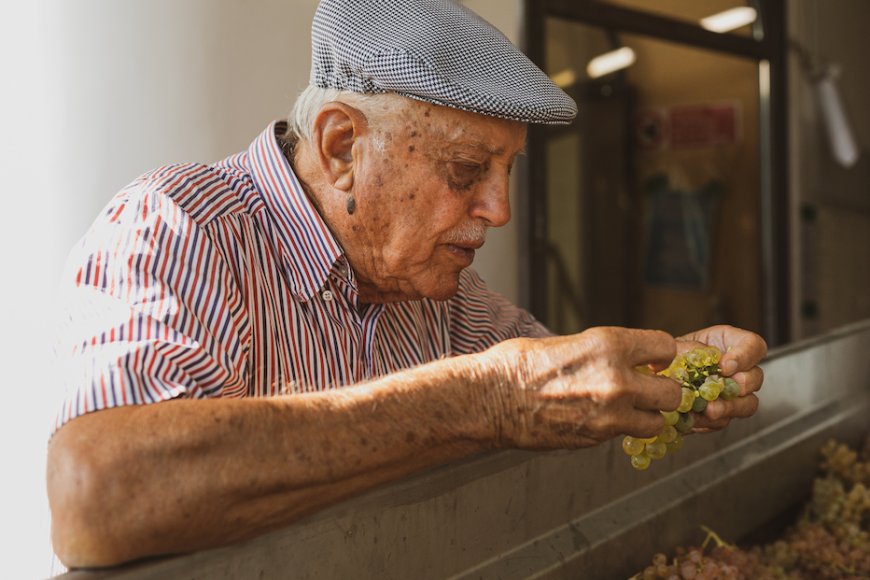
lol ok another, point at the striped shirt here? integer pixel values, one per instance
(223, 281)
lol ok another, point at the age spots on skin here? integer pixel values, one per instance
(411, 148)
(411, 196)
(462, 179)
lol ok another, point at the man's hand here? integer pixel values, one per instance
(742, 350)
(577, 391)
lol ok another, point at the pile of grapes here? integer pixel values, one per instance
(697, 371)
(831, 539)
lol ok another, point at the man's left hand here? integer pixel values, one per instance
(742, 350)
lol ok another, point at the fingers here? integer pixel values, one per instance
(750, 381)
(684, 345)
(741, 349)
(650, 346)
(655, 393)
(718, 413)
(644, 424)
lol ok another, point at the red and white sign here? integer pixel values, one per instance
(694, 126)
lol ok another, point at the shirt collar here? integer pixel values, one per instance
(308, 249)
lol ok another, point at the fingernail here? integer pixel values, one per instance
(729, 366)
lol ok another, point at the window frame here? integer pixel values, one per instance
(769, 50)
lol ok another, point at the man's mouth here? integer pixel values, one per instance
(465, 250)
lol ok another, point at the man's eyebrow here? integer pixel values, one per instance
(480, 145)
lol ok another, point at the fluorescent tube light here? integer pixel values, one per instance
(730, 19)
(610, 62)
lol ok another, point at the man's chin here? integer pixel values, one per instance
(445, 289)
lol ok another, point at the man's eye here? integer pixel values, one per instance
(464, 171)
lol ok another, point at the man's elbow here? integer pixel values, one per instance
(77, 481)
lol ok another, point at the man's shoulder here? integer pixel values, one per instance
(204, 192)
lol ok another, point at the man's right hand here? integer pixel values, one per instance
(580, 390)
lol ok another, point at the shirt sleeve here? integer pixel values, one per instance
(480, 318)
(150, 310)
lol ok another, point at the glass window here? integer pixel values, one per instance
(653, 195)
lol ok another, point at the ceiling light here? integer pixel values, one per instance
(565, 78)
(730, 19)
(610, 62)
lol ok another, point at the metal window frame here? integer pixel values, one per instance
(770, 51)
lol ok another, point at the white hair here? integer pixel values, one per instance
(377, 108)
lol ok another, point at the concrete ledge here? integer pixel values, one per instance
(569, 514)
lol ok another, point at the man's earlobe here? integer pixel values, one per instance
(336, 128)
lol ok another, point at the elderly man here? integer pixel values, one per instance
(254, 340)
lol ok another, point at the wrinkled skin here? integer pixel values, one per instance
(422, 204)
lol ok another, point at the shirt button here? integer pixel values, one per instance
(327, 296)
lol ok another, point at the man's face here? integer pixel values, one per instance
(424, 203)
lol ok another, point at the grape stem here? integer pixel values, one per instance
(711, 535)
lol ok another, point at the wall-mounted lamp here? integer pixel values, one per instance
(610, 62)
(823, 76)
(730, 19)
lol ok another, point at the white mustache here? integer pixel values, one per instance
(471, 233)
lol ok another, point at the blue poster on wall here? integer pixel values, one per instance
(679, 233)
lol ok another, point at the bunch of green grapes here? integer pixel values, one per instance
(698, 373)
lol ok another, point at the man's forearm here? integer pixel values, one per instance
(173, 477)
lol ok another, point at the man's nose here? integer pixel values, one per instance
(492, 204)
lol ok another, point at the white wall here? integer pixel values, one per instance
(28, 267)
(95, 92)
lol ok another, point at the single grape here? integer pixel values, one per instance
(686, 422)
(632, 446)
(688, 397)
(656, 449)
(711, 388)
(731, 389)
(671, 417)
(715, 355)
(688, 570)
(676, 444)
(668, 434)
(695, 357)
(699, 405)
(640, 462)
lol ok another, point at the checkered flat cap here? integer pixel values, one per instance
(431, 50)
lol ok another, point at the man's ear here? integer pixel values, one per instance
(336, 128)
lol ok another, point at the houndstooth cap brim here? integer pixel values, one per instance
(431, 50)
